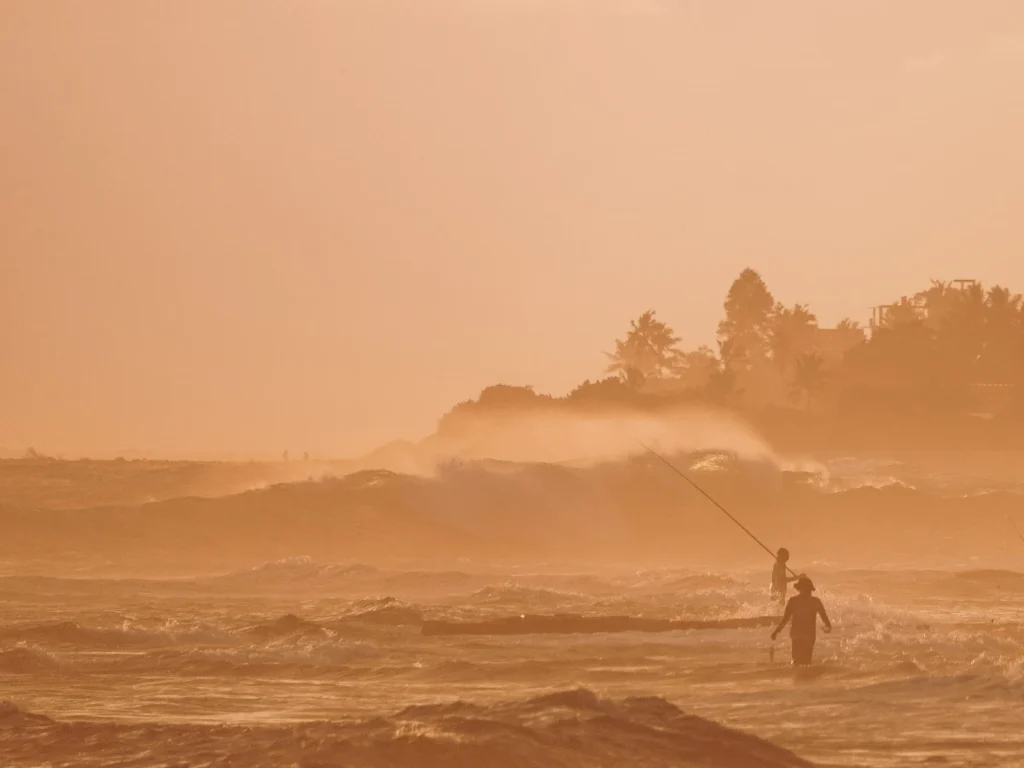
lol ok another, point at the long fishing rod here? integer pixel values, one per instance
(1015, 528)
(708, 496)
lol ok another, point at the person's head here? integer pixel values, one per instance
(783, 554)
(804, 585)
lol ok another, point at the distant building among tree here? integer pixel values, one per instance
(832, 344)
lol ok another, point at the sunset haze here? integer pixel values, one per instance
(231, 229)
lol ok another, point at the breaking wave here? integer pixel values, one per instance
(564, 729)
(74, 634)
(624, 510)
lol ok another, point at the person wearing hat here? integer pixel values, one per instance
(804, 610)
(780, 577)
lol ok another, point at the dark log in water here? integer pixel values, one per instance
(566, 624)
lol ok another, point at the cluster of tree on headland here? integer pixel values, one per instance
(950, 358)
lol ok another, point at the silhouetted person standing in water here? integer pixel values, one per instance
(780, 579)
(804, 610)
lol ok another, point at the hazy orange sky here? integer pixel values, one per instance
(240, 227)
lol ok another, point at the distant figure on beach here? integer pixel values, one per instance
(780, 578)
(804, 610)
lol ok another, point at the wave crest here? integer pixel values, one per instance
(556, 730)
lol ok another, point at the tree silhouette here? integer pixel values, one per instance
(960, 336)
(915, 376)
(1001, 359)
(1003, 313)
(748, 312)
(900, 357)
(723, 386)
(936, 299)
(648, 351)
(809, 376)
(612, 390)
(731, 354)
(792, 334)
(697, 368)
(904, 312)
(499, 396)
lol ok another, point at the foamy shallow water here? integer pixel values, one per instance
(924, 667)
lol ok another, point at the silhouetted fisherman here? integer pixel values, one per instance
(804, 610)
(780, 577)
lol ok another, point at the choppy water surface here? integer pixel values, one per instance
(249, 660)
(922, 665)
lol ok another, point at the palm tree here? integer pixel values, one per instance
(852, 332)
(903, 312)
(961, 337)
(971, 303)
(809, 376)
(1002, 311)
(649, 350)
(791, 333)
(1002, 351)
(937, 297)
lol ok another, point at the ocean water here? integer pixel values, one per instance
(302, 660)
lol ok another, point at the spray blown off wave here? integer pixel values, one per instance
(262, 624)
(630, 510)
